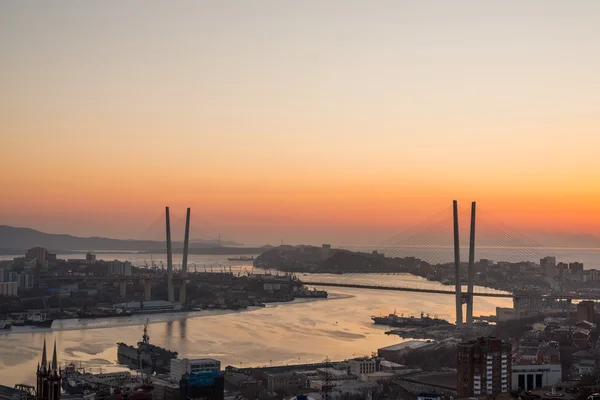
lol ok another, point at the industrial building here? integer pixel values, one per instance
(396, 352)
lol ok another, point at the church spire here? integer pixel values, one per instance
(44, 359)
(54, 362)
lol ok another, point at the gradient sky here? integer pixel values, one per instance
(340, 121)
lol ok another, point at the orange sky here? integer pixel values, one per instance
(323, 121)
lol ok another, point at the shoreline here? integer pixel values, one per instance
(73, 324)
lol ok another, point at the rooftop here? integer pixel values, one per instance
(409, 345)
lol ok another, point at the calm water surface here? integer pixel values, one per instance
(299, 332)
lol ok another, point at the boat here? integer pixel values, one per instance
(145, 355)
(104, 314)
(311, 294)
(240, 258)
(39, 320)
(401, 321)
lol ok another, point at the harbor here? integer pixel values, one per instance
(300, 331)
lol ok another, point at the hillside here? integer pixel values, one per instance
(20, 239)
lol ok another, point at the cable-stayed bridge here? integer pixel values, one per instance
(453, 246)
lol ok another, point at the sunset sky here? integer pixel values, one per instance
(312, 121)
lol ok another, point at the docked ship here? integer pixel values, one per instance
(311, 294)
(145, 355)
(402, 321)
(39, 320)
(104, 314)
(240, 258)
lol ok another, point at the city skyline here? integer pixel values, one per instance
(337, 121)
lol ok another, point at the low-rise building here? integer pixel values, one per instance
(286, 382)
(583, 355)
(377, 376)
(359, 366)
(531, 377)
(396, 352)
(585, 367)
(548, 353)
(504, 314)
(581, 338)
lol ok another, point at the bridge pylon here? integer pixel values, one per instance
(464, 298)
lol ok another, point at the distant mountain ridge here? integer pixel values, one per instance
(25, 238)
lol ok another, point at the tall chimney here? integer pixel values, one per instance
(171, 294)
(186, 243)
(457, 267)
(471, 270)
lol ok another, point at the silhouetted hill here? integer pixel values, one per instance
(24, 238)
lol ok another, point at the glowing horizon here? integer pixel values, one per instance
(317, 122)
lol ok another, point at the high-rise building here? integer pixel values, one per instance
(548, 261)
(585, 311)
(484, 367)
(576, 268)
(120, 268)
(41, 253)
(90, 258)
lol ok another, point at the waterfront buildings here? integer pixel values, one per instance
(484, 367)
(396, 352)
(286, 382)
(360, 366)
(182, 366)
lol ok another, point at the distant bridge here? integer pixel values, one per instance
(450, 291)
(405, 289)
